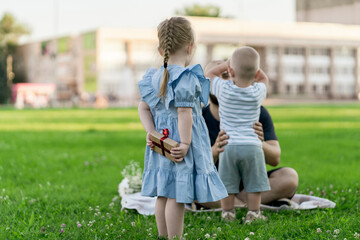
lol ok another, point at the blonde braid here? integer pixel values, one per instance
(174, 34)
(167, 50)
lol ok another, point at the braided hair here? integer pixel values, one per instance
(173, 34)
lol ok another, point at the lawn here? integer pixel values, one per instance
(60, 170)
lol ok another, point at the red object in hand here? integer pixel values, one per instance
(166, 135)
(166, 132)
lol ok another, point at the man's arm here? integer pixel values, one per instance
(271, 145)
(272, 152)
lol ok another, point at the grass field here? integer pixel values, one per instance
(60, 170)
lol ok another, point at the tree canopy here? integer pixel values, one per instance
(10, 32)
(200, 11)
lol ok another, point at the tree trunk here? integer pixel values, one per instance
(4, 89)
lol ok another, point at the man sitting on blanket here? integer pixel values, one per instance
(283, 181)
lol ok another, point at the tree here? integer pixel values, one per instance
(200, 11)
(10, 33)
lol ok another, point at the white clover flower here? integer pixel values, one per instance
(207, 235)
(219, 229)
(336, 231)
(133, 173)
(214, 235)
(133, 224)
(247, 238)
(252, 234)
(124, 187)
(208, 218)
(356, 235)
(318, 230)
(123, 230)
(202, 229)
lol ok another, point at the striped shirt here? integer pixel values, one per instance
(239, 108)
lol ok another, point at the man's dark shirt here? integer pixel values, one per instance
(213, 125)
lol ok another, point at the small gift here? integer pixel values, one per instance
(162, 143)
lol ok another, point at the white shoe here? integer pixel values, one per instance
(228, 216)
(252, 216)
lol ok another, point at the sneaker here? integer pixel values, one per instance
(228, 216)
(252, 216)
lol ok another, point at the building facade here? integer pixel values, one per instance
(302, 60)
(329, 11)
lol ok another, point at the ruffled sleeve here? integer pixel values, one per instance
(186, 86)
(147, 90)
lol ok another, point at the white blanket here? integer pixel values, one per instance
(146, 205)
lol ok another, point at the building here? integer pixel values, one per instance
(329, 11)
(304, 60)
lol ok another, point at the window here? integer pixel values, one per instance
(327, 88)
(295, 69)
(319, 70)
(294, 51)
(320, 51)
(288, 88)
(301, 89)
(314, 87)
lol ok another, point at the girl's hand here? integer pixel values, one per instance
(179, 152)
(149, 142)
(259, 130)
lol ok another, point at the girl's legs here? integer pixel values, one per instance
(174, 214)
(160, 216)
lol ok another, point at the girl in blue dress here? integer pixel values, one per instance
(171, 99)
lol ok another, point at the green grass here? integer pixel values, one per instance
(58, 166)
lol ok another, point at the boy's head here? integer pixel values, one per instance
(244, 63)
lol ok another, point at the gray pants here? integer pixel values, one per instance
(245, 163)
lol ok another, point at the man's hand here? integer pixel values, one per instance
(179, 152)
(219, 144)
(149, 143)
(259, 130)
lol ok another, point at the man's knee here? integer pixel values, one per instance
(287, 181)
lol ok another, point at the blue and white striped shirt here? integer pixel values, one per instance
(239, 108)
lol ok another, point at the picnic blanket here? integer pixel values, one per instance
(146, 205)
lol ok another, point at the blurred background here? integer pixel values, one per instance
(93, 53)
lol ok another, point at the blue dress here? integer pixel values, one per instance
(194, 178)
